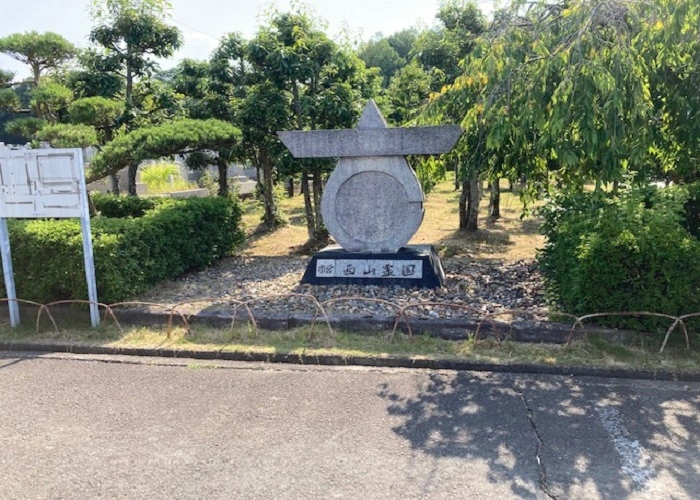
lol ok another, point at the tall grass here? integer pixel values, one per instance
(164, 177)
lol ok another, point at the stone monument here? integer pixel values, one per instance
(373, 203)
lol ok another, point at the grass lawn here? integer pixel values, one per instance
(592, 352)
(508, 238)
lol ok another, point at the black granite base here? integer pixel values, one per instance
(413, 266)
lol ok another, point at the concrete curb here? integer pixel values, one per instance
(337, 360)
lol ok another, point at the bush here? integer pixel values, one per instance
(627, 253)
(112, 206)
(130, 254)
(692, 210)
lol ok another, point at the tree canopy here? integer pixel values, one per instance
(179, 137)
(63, 135)
(130, 32)
(6, 78)
(381, 54)
(569, 90)
(593, 90)
(40, 51)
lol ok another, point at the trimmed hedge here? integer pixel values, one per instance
(109, 205)
(634, 252)
(131, 254)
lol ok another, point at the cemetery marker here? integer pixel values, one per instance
(373, 202)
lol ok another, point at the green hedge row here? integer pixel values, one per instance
(638, 251)
(131, 254)
(109, 205)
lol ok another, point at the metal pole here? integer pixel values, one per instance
(8, 273)
(87, 245)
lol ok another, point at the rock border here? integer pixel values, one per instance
(444, 328)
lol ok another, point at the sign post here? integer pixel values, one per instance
(44, 183)
(8, 273)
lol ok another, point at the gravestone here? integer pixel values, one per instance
(372, 204)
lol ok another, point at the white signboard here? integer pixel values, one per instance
(40, 183)
(37, 183)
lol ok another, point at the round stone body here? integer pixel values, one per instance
(372, 204)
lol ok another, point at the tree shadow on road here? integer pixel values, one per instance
(8, 359)
(566, 438)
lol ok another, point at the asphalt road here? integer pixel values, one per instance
(110, 427)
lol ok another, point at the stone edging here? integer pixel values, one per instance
(448, 329)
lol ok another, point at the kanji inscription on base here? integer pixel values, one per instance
(369, 268)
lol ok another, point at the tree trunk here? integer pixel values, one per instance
(91, 205)
(463, 205)
(290, 187)
(129, 85)
(133, 169)
(319, 228)
(37, 74)
(308, 207)
(115, 184)
(270, 218)
(474, 199)
(258, 177)
(296, 105)
(456, 178)
(223, 177)
(495, 201)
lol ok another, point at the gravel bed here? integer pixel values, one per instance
(485, 286)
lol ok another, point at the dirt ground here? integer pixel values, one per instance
(509, 238)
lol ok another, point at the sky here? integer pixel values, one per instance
(203, 22)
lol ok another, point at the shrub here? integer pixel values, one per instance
(627, 253)
(692, 210)
(130, 254)
(25, 127)
(109, 205)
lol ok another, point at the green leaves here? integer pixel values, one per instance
(99, 112)
(62, 135)
(25, 127)
(165, 140)
(9, 101)
(596, 92)
(39, 50)
(6, 77)
(51, 99)
(132, 36)
(407, 93)
(633, 252)
(380, 54)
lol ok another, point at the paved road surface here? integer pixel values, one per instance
(98, 427)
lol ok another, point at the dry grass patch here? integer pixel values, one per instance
(509, 238)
